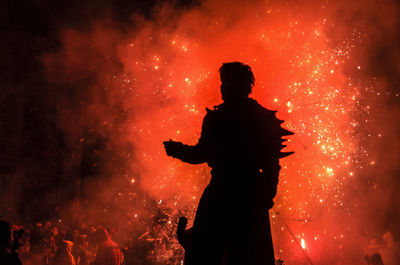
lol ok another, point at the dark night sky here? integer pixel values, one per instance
(34, 149)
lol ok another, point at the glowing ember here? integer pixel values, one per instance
(303, 243)
(170, 75)
(297, 73)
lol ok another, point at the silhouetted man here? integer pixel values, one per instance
(241, 142)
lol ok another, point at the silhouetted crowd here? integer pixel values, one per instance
(49, 244)
(56, 243)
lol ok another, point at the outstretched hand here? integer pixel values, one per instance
(173, 148)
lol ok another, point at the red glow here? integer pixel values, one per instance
(170, 75)
(297, 73)
(303, 243)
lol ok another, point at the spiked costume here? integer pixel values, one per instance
(242, 144)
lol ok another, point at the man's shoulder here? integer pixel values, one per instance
(252, 107)
(261, 110)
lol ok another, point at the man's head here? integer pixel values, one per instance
(237, 80)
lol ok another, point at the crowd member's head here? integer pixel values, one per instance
(100, 236)
(47, 225)
(82, 240)
(376, 259)
(65, 247)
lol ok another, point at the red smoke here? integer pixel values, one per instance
(150, 82)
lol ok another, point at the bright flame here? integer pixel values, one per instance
(303, 243)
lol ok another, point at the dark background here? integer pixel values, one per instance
(39, 168)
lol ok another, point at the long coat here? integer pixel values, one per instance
(241, 142)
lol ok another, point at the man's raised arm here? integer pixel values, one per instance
(193, 154)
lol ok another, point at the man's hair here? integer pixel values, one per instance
(237, 73)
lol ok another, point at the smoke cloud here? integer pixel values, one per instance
(92, 90)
